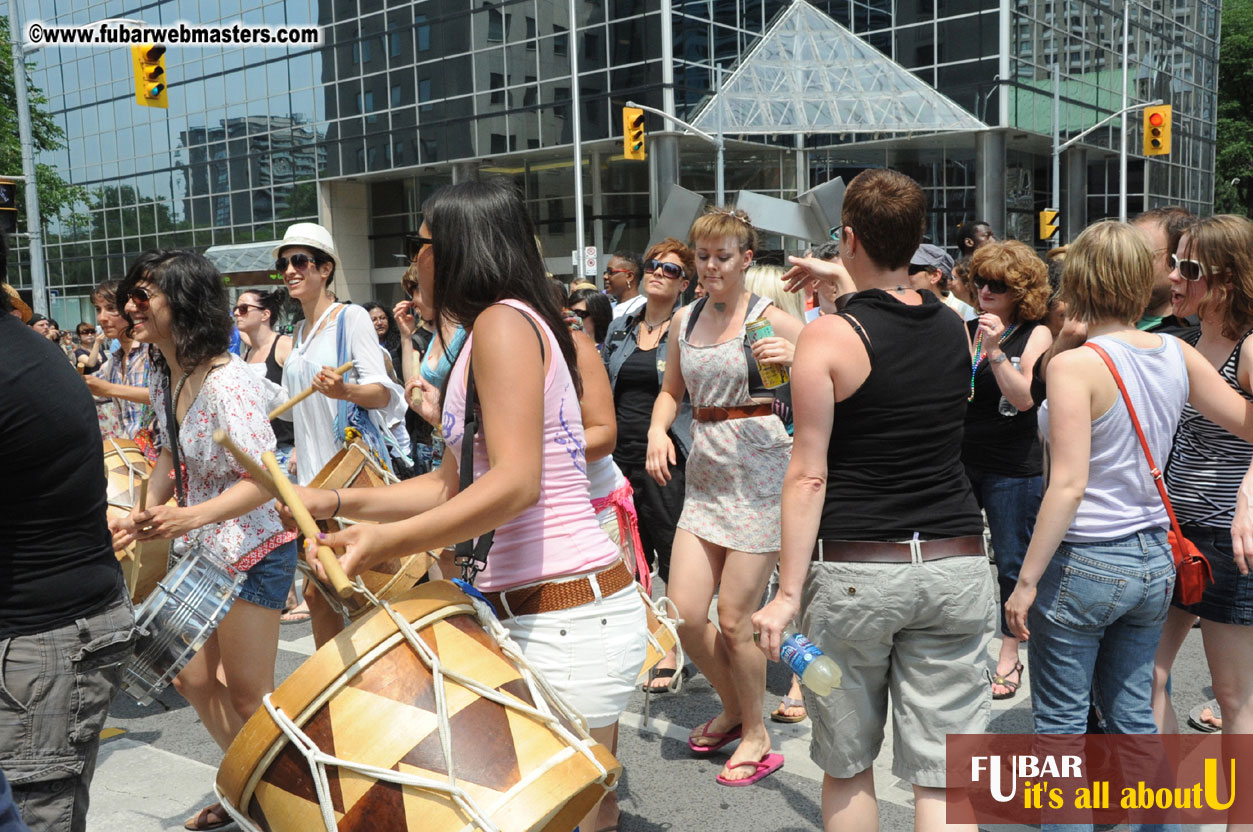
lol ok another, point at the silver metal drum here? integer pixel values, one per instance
(176, 620)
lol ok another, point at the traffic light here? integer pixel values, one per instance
(8, 206)
(633, 133)
(149, 62)
(1049, 224)
(1157, 130)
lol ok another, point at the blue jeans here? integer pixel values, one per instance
(1097, 618)
(9, 819)
(1012, 504)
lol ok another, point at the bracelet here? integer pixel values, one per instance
(1000, 359)
(335, 513)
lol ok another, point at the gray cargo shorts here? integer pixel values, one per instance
(55, 691)
(918, 631)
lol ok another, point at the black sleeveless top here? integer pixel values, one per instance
(894, 462)
(1006, 445)
(284, 432)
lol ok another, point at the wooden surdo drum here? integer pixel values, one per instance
(420, 716)
(144, 561)
(353, 467)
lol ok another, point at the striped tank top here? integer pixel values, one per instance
(1207, 463)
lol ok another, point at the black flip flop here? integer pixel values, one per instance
(677, 678)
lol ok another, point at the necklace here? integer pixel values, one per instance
(979, 356)
(652, 327)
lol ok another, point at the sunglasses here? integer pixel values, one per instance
(618, 271)
(1190, 270)
(141, 297)
(414, 244)
(243, 308)
(671, 270)
(582, 313)
(996, 287)
(299, 261)
(913, 270)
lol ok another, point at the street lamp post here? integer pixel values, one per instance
(38, 277)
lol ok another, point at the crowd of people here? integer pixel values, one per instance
(598, 439)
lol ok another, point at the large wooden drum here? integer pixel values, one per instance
(144, 561)
(476, 725)
(353, 467)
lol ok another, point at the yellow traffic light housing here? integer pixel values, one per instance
(1157, 130)
(633, 133)
(1049, 225)
(150, 81)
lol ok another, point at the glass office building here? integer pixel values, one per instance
(403, 96)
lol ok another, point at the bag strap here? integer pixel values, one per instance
(171, 425)
(1144, 444)
(471, 555)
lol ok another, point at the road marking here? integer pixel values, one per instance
(303, 646)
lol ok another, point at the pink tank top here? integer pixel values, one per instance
(559, 535)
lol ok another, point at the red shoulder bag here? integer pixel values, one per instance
(1192, 570)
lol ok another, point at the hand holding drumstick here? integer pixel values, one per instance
(328, 381)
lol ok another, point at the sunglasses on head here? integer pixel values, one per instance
(671, 270)
(1190, 270)
(299, 261)
(141, 297)
(996, 287)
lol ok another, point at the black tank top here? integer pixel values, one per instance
(1008, 445)
(284, 432)
(894, 461)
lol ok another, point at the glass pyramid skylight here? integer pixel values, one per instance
(808, 74)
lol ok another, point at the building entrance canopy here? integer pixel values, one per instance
(244, 263)
(808, 74)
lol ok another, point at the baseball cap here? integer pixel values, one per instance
(933, 257)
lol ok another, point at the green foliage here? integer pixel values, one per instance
(56, 196)
(1234, 152)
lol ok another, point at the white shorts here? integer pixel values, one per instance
(591, 654)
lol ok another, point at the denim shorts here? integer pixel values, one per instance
(270, 580)
(1229, 599)
(591, 654)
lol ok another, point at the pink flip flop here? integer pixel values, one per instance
(722, 739)
(767, 765)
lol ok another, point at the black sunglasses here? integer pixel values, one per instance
(582, 313)
(671, 270)
(913, 270)
(414, 243)
(242, 309)
(996, 287)
(141, 297)
(299, 261)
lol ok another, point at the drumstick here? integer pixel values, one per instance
(303, 394)
(254, 469)
(310, 529)
(143, 494)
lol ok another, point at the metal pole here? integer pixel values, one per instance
(577, 114)
(1122, 144)
(721, 180)
(1057, 138)
(38, 281)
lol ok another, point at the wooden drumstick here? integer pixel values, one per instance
(303, 394)
(305, 521)
(254, 469)
(143, 494)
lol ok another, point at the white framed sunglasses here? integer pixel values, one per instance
(1191, 270)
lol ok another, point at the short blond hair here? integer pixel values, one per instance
(720, 223)
(1108, 273)
(767, 282)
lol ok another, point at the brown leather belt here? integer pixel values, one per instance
(874, 551)
(721, 414)
(560, 595)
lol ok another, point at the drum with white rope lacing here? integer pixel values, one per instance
(423, 715)
(126, 472)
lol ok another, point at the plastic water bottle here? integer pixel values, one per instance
(1004, 407)
(817, 670)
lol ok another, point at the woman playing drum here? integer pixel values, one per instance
(555, 577)
(176, 301)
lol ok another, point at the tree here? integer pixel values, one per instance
(1234, 150)
(56, 196)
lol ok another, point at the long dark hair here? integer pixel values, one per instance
(391, 338)
(599, 307)
(271, 302)
(485, 252)
(199, 305)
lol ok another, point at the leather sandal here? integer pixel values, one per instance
(201, 821)
(1003, 681)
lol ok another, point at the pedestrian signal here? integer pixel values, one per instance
(150, 81)
(1049, 224)
(633, 133)
(8, 206)
(1157, 130)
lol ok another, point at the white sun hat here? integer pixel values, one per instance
(309, 235)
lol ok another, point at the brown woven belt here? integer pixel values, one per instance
(874, 551)
(560, 595)
(721, 414)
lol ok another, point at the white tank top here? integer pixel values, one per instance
(1121, 497)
